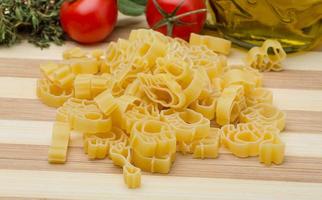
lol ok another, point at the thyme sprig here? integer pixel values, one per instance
(35, 20)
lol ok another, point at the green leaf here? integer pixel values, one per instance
(141, 2)
(130, 7)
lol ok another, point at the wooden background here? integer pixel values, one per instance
(25, 133)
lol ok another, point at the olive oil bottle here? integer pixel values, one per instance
(296, 24)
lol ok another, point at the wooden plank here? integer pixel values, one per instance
(299, 61)
(297, 169)
(67, 185)
(294, 79)
(26, 109)
(12, 87)
(39, 133)
(31, 109)
(306, 100)
(288, 79)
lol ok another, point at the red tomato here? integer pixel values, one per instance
(88, 21)
(176, 25)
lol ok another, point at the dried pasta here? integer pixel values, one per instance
(141, 100)
(264, 115)
(249, 139)
(51, 94)
(59, 143)
(216, 44)
(262, 59)
(230, 104)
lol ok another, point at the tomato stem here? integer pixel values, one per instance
(187, 14)
(170, 19)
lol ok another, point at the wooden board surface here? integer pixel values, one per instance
(25, 132)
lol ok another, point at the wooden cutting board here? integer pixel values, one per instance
(25, 133)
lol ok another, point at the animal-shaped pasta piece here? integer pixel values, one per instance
(59, 74)
(206, 106)
(216, 44)
(264, 114)
(106, 102)
(121, 156)
(162, 89)
(207, 147)
(74, 53)
(245, 76)
(188, 125)
(230, 104)
(51, 94)
(84, 116)
(84, 65)
(59, 143)
(249, 139)
(154, 145)
(272, 150)
(88, 86)
(124, 103)
(267, 57)
(97, 146)
(139, 112)
(259, 95)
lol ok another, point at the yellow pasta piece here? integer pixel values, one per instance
(207, 147)
(216, 44)
(272, 150)
(47, 70)
(206, 106)
(59, 143)
(264, 115)
(106, 102)
(250, 139)
(262, 59)
(162, 89)
(121, 156)
(188, 125)
(247, 77)
(153, 144)
(259, 95)
(74, 53)
(59, 74)
(97, 54)
(230, 104)
(97, 146)
(124, 103)
(52, 95)
(88, 86)
(84, 116)
(139, 112)
(132, 176)
(82, 86)
(84, 65)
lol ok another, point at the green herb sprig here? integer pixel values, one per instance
(35, 20)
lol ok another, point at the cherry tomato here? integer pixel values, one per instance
(88, 21)
(176, 18)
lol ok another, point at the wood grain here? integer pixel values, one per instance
(39, 133)
(25, 133)
(288, 79)
(306, 100)
(298, 169)
(33, 109)
(43, 184)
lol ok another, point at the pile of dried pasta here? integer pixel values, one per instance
(143, 99)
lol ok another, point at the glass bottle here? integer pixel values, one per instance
(296, 24)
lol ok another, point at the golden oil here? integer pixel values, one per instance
(296, 24)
